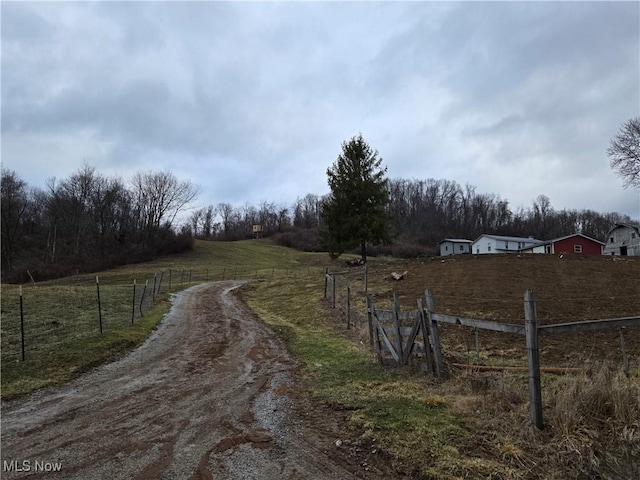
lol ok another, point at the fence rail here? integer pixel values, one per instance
(400, 341)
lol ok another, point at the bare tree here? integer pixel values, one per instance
(14, 203)
(161, 197)
(228, 215)
(194, 221)
(624, 153)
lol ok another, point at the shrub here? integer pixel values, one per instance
(304, 239)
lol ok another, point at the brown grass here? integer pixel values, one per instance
(592, 422)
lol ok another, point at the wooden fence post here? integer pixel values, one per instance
(333, 291)
(396, 317)
(99, 305)
(533, 358)
(625, 360)
(21, 324)
(348, 306)
(153, 294)
(425, 338)
(432, 326)
(366, 278)
(326, 272)
(133, 303)
(370, 320)
(373, 332)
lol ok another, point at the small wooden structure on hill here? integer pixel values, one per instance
(257, 231)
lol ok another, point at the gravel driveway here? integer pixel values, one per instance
(208, 396)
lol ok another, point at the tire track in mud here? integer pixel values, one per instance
(206, 397)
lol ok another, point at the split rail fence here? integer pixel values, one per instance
(396, 335)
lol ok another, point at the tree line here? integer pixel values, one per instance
(421, 213)
(89, 221)
(426, 211)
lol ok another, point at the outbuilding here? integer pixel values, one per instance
(576, 243)
(623, 239)
(452, 246)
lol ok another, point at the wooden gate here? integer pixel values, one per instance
(396, 335)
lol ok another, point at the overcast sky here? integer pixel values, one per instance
(252, 101)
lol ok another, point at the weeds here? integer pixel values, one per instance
(592, 424)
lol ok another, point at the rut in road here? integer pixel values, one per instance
(202, 398)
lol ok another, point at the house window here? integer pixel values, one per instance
(577, 249)
(611, 240)
(462, 248)
(489, 247)
(633, 235)
(506, 245)
(446, 248)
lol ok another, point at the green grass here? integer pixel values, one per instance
(436, 430)
(398, 409)
(62, 321)
(58, 358)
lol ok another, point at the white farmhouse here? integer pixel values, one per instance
(501, 244)
(452, 246)
(623, 239)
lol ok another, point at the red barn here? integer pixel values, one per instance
(576, 243)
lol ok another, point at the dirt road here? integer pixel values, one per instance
(210, 395)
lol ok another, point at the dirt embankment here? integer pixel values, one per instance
(212, 394)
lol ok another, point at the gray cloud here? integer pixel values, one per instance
(252, 100)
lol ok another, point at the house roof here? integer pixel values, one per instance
(456, 240)
(509, 239)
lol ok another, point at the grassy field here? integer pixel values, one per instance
(471, 426)
(62, 320)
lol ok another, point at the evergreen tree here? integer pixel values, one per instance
(354, 213)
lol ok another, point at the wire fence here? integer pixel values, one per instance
(39, 318)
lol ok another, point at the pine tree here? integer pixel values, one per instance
(354, 213)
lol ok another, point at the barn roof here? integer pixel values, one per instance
(624, 225)
(575, 235)
(559, 239)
